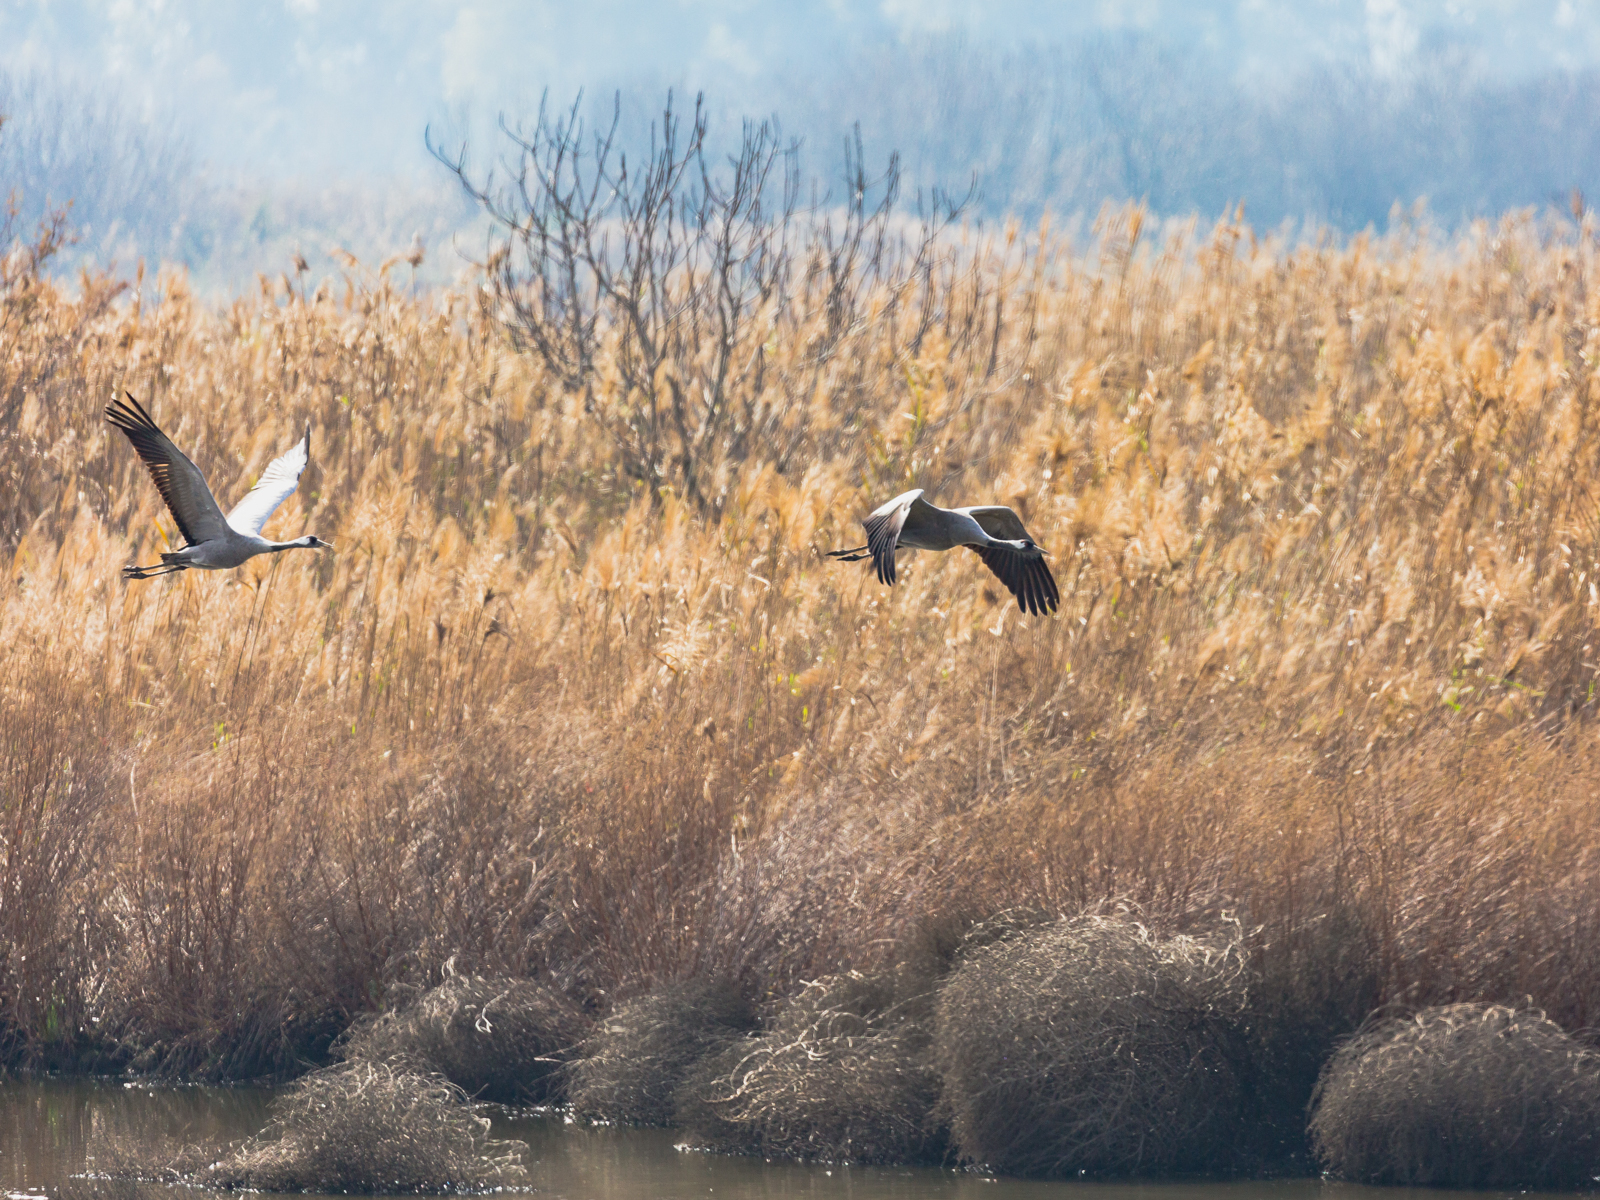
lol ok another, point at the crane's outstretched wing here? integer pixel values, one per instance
(883, 526)
(998, 521)
(179, 481)
(273, 488)
(1028, 579)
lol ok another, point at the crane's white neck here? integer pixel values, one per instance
(309, 542)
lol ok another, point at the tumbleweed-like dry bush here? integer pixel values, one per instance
(841, 1074)
(500, 1040)
(1464, 1095)
(631, 1068)
(370, 1127)
(359, 1127)
(1087, 1046)
(577, 699)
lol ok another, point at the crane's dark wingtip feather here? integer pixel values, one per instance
(1048, 598)
(134, 410)
(881, 538)
(1029, 580)
(156, 451)
(131, 417)
(1045, 593)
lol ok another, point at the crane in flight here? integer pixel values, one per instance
(908, 522)
(214, 542)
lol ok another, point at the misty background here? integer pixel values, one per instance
(228, 137)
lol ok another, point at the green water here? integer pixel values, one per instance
(48, 1129)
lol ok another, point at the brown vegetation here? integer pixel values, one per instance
(567, 705)
(359, 1127)
(501, 1040)
(842, 1074)
(1086, 1046)
(369, 1127)
(1468, 1095)
(630, 1070)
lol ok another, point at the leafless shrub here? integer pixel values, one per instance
(1467, 1095)
(660, 281)
(633, 1065)
(1090, 1045)
(841, 1075)
(129, 177)
(498, 1039)
(370, 1127)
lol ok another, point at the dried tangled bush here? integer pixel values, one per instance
(1467, 1095)
(841, 1075)
(504, 1040)
(1088, 1045)
(371, 1127)
(633, 1065)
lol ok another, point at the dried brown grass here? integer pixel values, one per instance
(842, 1074)
(365, 1128)
(1467, 1095)
(501, 1040)
(1323, 520)
(631, 1068)
(1087, 1046)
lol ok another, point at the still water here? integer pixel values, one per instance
(46, 1128)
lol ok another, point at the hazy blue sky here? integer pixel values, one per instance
(318, 87)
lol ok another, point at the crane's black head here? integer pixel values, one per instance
(312, 542)
(1028, 548)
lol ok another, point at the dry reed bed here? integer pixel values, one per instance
(1324, 521)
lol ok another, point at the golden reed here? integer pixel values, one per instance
(1325, 519)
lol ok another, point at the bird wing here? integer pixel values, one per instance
(179, 481)
(998, 521)
(273, 488)
(883, 526)
(1028, 579)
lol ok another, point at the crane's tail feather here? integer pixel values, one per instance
(855, 554)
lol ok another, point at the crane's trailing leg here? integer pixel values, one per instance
(155, 569)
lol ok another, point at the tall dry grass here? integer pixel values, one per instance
(1326, 522)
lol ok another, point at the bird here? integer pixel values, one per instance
(995, 532)
(214, 542)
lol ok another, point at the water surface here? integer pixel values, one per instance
(49, 1130)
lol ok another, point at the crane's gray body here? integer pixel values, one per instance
(231, 549)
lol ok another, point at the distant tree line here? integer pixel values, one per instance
(1068, 127)
(129, 179)
(1060, 129)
